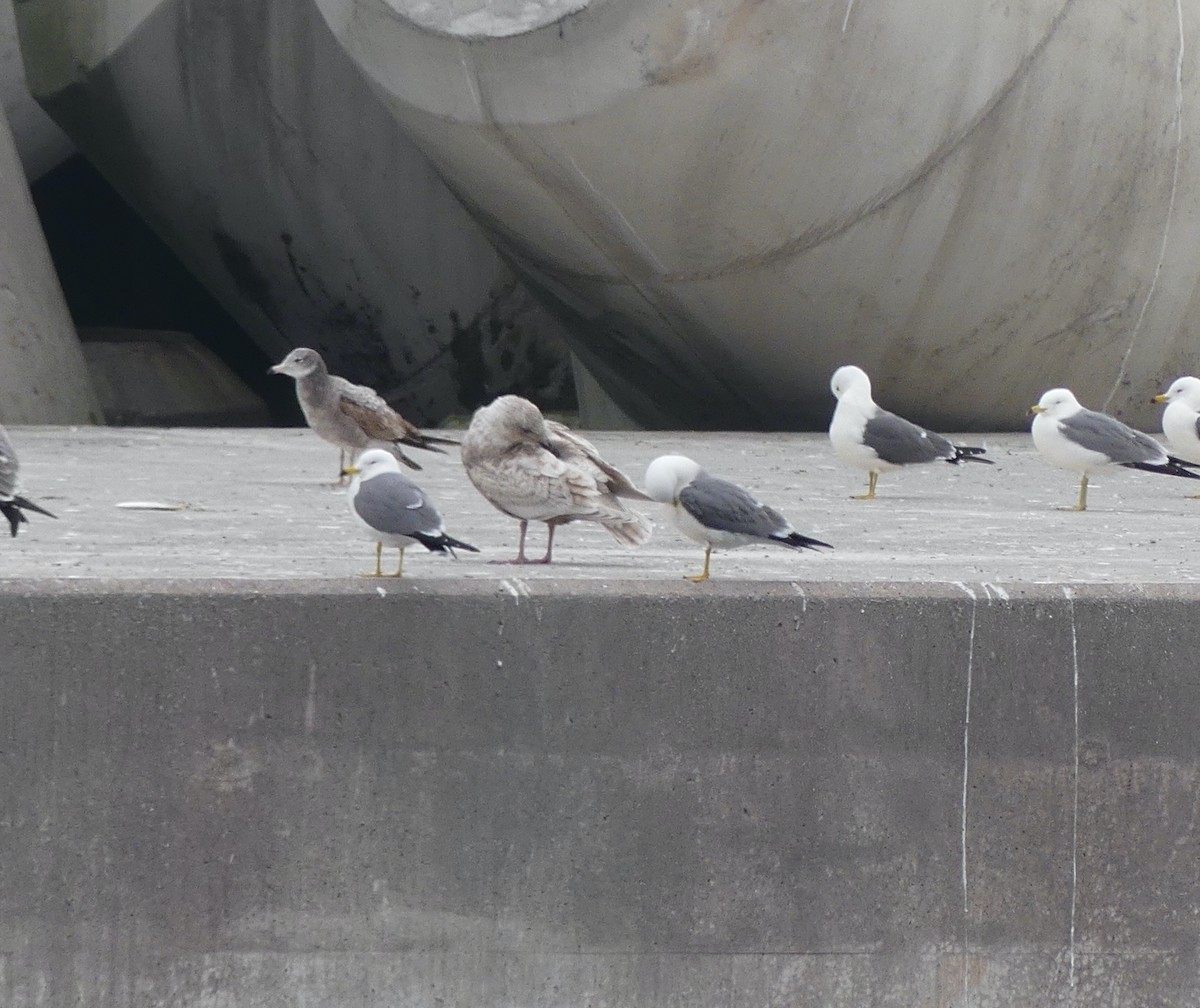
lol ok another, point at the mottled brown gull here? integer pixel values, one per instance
(534, 469)
(353, 417)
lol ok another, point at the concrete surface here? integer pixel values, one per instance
(40, 144)
(951, 764)
(43, 378)
(259, 153)
(732, 198)
(259, 505)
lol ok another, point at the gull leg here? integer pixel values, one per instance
(400, 564)
(703, 575)
(520, 559)
(378, 559)
(1082, 505)
(870, 494)
(342, 479)
(549, 546)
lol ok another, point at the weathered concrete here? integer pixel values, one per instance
(43, 378)
(734, 198)
(40, 143)
(951, 764)
(247, 139)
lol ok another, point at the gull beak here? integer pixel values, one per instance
(350, 471)
(1159, 399)
(1033, 410)
(274, 369)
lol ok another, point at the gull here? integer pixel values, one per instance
(1083, 440)
(394, 510)
(353, 417)
(534, 469)
(715, 512)
(870, 438)
(1181, 418)
(12, 504)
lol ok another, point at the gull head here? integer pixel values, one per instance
(510, 420)
(300, 363)
(667, 475)
(850, 379)
(372, 463)
(1058, 403)
(1186, 389)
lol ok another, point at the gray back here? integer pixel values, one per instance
(391, 502)
(902, 442)
(1099, 432)
(718, 504)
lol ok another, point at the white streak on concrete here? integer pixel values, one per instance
(966, 773)
(310, 704)
(634, 239)
(803, 598)
(846, 19)
(515, 587)
(1075, 788)
(1166, 232)
(995, 589)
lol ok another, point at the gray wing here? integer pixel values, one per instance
(8, 466)
(393, 503)
(1101, 433)
(718, 504)
(902, 442)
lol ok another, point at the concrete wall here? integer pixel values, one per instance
(734, 198)
(252, 794)
(43, 378)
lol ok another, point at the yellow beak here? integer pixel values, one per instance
(351, 471)
(1159, 398)
(1036, 409)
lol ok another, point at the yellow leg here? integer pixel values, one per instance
(378, 560)
(1082, 505)
(703, 575)
(400, 566)
(870, 494)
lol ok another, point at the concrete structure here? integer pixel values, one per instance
(952, 763)
(253, 146)
(733, 198)
(43, 378)
(40, 143)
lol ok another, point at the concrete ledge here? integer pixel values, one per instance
(265, 793)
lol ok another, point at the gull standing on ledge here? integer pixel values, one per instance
(715, 512)
(394, 510)
(353, 417)
(1181, 418)
(1083, 440)
(12, 504)
(534, 469)
(870, 438)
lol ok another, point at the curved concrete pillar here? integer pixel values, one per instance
(244, 135)
(733, 198)
(43, 378)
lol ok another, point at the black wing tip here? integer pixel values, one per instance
(970, 453)
(443, 543)
(1173, 467)
(798, 541)
(14, 511)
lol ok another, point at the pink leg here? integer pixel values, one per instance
(521, 558)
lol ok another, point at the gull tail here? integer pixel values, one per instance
(1172, 467)
(969, 453)
(12, 509)
(401, 457)
(442, 543)
(426, 441)
(798, 541)
(629, 528)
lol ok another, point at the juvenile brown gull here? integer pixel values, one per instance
(534, 469)
(353, 417)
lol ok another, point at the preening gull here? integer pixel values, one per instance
(870, 438)
(1181, 418)
(12, 504)
(715, 512)
(394, 510)
(1083, 440)
(353, 417)
(534, 469)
